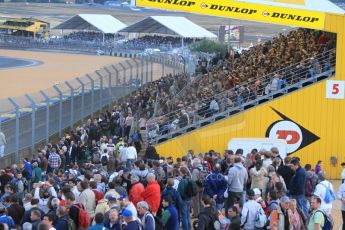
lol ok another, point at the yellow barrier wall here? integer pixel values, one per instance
(308, 108)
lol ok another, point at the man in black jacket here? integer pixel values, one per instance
(297, 186)
(208, 214)
(235, 223)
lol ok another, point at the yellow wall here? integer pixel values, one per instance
(307, 107)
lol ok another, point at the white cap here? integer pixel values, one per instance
(257, 191)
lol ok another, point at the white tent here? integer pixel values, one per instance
(103, 23)
(169, 25)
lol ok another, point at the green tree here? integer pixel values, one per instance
(209, 46)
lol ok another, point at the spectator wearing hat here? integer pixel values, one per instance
(125, 203)
(152, 192)
(170, 217)
(136, 190)
(249, 211)
(113, 204)
(259, 200)
(320, 191)
(130, 220)
(282, 216)
(146, 217)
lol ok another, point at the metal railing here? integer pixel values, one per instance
(35, 118)
(246, 95)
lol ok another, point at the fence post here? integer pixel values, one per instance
(33, 123)
(110, 92)
(117, 75)
(47, 100)
(82, 99)
(151, 63)
(163, 68)
(173, 66)
(124, 73)
(130, 69)
(137, 66)
(60, 108)
(101, 90)
(16, 106)
(142, 70)
(72, 102)
(147, 70)
(92, 94)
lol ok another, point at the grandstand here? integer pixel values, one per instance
(25, 27)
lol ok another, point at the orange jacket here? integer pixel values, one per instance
(135, 193)
(152, 195)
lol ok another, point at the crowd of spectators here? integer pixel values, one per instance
(159, 42)
(238, 78)
(92, 179)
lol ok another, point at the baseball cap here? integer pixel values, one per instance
(123, 197)
(126, 170)
(127, 213)
(257, 191)
(285, 199)
(110, 198)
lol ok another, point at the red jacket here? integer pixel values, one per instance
(152, 195)
(98, 195)
(135, 193)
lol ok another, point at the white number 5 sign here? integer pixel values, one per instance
(335, 89)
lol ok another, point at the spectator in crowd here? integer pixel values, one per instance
(343, 172)
(182, 187)
(249, 211)
(286, 171)
(98, 222)
(35, 218)
(296, 190)
(137, 188)
(170, 216)
(321, 190)
(282, 216)
(147, 219)
(298, 219)
(130, 221)
(113, 222)
(208, 215)
(152, 193)
(48, 220)
(6, 219)
(318, 167)
(87, 198)
(2, 143)
(237, 179)
(317, 219)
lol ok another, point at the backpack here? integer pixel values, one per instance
(309, 187)
(104, 160)
(260, 218)
(328, 225)
(96, 158)
(191, 188)
(329, 195)
(70, 224)
(84, 217)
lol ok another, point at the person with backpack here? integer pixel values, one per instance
(250, 212)
(146, 217)
(208, 215)
(280, 219)
(170, 216)
(324, 190)
(215, 186)
(318, 219)
(184, 188)
(76, 212)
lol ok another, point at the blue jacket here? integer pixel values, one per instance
(175, 196)
(116, 226)
(216, 184)
(7, 220)
(173, 222)
(297, 183)
(62, 223)
(97, 227)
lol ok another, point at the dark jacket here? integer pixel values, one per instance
(151, 153)
(62, 223)
(297, 183)
(207, 217)
(182, 188)
(235, 223)
(172, 223)
(27, 214)
(287, 173)
(175, 196)
(116, 226)
(132, 225)
(16, 211)
(216, 184)
(35, 225)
